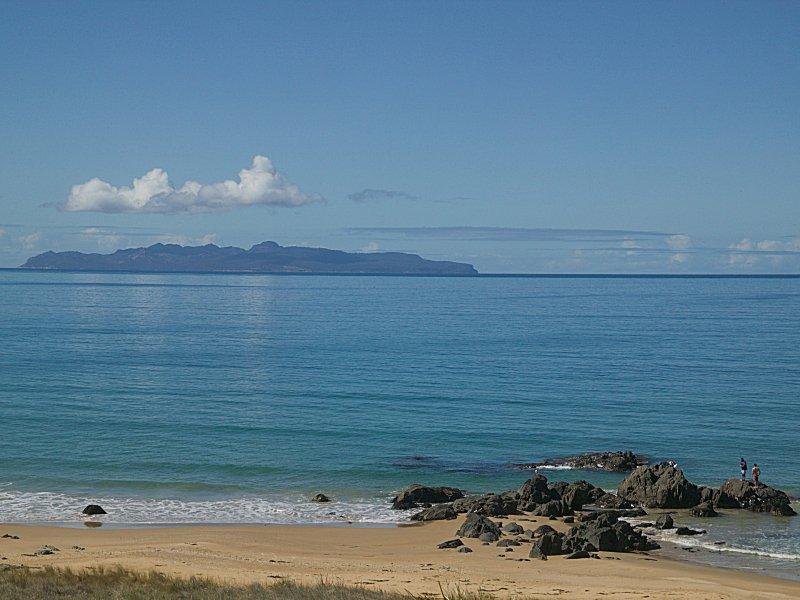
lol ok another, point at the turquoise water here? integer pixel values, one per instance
(174, 398)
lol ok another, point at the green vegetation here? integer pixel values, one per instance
(22, 583)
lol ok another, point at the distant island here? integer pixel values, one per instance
(266, 257)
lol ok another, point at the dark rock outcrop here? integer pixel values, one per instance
(553, 508)
(542, 530)
(454, 543)
(416, 495)
(688, 531)
(489, 505)
(659, 486)
(546, 545)
(94, 509)
(535, 491)
(704, 509)
(437, 512)
(616, 462)
(575, 495)
(621, 513)
(320, 498)
(758, 498)
(505, 543)
(475, 525)
(606, 533)
(612, 501)
(665, 522)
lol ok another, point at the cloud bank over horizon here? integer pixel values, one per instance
(369, 194)
(261, 184)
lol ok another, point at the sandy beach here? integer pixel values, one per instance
(397, 558)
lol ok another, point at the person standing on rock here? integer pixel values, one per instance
(756, 473)
(743, 466)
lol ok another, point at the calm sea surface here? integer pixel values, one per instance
(225, 398)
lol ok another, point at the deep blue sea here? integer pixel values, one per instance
(233, 398)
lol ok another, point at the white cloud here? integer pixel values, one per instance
(371, 247)
(185, 240)
(679, 258)
(748, 245)
(261, 184)
(30, 240)
(679, 241)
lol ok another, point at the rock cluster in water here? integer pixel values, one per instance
(615, 462)
(665, 486)
(600, 529)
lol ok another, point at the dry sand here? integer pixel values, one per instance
(400, 559)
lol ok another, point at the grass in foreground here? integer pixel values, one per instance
(122, 584)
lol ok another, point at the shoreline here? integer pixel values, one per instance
(398, 558)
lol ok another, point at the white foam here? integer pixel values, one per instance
(701, 541)
(21, 507)
(555, 468)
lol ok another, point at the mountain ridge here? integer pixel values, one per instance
(265, 257)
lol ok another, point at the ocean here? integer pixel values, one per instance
(233, 398)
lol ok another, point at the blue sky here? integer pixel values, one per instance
(519, 136)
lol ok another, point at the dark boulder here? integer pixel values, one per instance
(513, 528)
(416, 495)
(579, 554)
(464, 550)
(489, 505)
(606, 533)
(437, 512)
(758, 498)
(94, 509)
(548, 544)
(505, 543)
(535, 491)
(612, 501)
(706, 494)
(542, 530)
(488, 536)
(624, 513)
(455, 543)
(704, 509)
(659, 486)
(568, 519)
(475, 525)
(320, 498)
(665, 522)
(575, 495)
(553, 508)
(688, 531)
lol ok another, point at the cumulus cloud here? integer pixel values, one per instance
(679, 258)
(778, 246)
(679, 241)
(371, 247)
(186, 240)
(31, 240)
(371, 194)
(261, 184)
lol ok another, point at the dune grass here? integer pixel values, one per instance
(121, 584)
